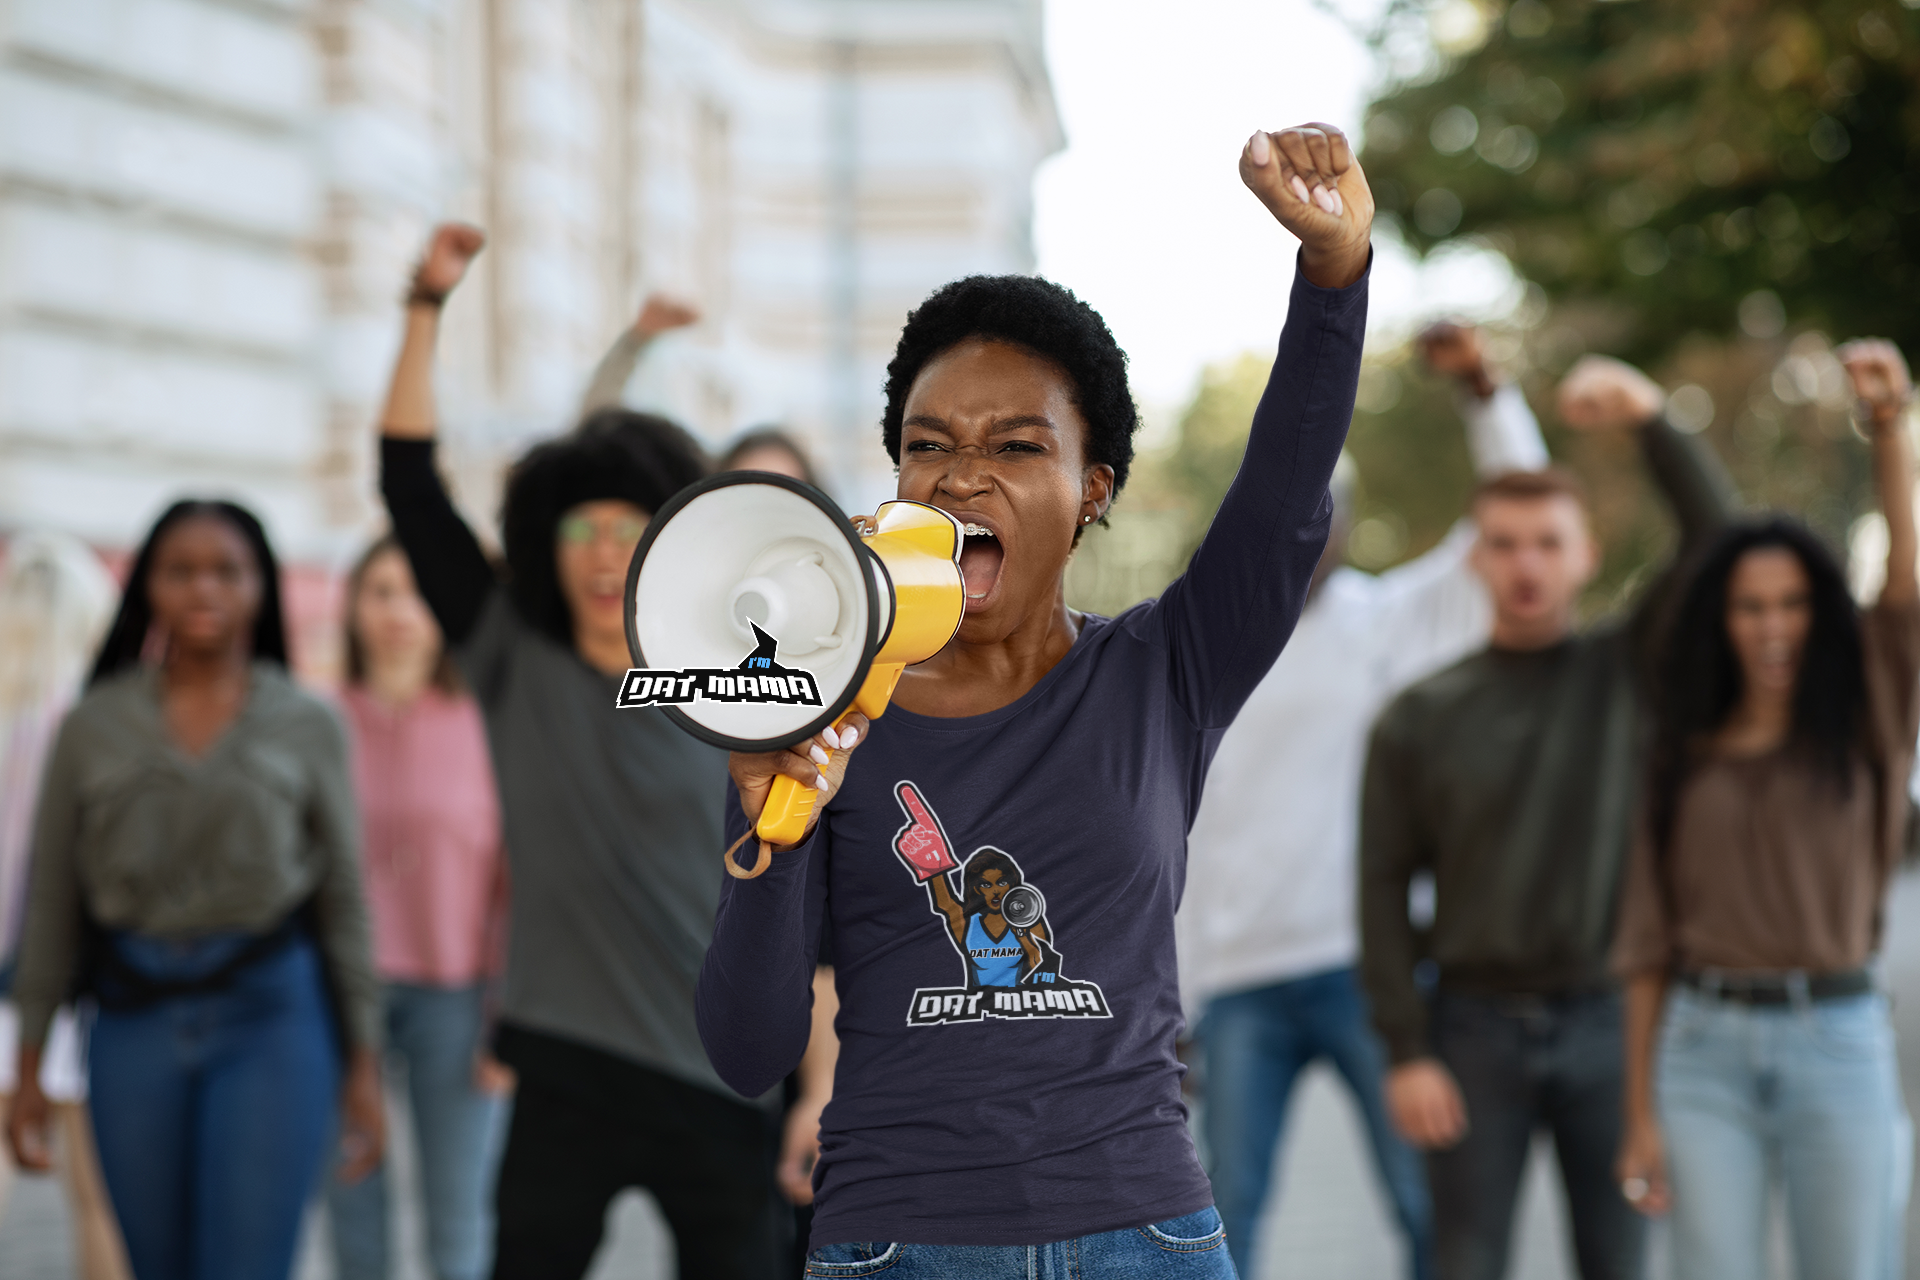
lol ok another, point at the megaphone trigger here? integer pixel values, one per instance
(828, 611)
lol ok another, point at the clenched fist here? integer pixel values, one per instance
(1879, 376)
(1308, 178)
(1452, 347)
(449, 253)
(1604, 394)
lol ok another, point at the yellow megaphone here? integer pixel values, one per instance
(759, 614)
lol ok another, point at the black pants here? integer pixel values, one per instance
(1525, 1063)
(587, 1125)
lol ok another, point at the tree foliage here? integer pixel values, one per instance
(1713, 189)
(1676, 161)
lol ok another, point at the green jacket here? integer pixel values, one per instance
(143, 838)
(1511, 778)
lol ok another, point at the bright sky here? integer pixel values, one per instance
(1144, 214)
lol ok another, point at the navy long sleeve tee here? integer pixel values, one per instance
(999, 890)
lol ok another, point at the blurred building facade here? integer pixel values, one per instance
(208, 209)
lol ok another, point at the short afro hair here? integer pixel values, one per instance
(1041, 317)
(614, 454)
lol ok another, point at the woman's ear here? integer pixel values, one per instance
(1096, 496)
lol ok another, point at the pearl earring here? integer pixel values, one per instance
(1086, 519)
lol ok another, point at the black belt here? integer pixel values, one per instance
(1778, 988)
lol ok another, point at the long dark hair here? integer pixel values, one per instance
(1699, 680)
(984, 860)
(446, 677)
(614, 454)
(127, 638)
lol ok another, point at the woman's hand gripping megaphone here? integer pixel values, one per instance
(819, 762)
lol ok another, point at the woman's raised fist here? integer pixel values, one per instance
(1309, 180)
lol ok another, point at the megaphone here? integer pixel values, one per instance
(1023, 906)
(758, 614)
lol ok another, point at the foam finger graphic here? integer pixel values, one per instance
(922, 843)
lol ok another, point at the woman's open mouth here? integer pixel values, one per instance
(981, 558)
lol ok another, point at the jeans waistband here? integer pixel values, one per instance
(1525, 1003)
(133, 970)
(1777, 988)
(159, 959)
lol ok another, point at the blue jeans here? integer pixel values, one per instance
(1193, 1247)
(214, 1111)
(435, 1032)
(1525, 1063)
(1257, 1042)
(1811, 1092)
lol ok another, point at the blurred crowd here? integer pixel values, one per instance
(1620, 883)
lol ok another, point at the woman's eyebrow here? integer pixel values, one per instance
(1022, 421)
(1017, 422)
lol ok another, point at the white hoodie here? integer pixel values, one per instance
(1270, 860)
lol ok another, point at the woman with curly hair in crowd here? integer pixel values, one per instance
(611, 819)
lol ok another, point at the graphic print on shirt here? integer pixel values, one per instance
(757, 678)
(998, 924)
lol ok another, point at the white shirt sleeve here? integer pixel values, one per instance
(1434, 606)
(1502, 433)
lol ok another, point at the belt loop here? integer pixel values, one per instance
(1798, 991)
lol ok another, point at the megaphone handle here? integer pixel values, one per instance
(789, 804)
(788, 810)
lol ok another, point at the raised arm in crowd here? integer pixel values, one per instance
(1774, 816)
(1509, 779)
(611, 822)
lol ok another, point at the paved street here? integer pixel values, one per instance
(1332, 1222)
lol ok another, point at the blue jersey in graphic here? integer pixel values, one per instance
(995, 964)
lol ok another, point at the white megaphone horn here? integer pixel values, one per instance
(759, 614)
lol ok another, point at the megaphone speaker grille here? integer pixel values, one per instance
(754, 582)
(1023, 906)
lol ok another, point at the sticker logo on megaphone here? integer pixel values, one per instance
(759, 678)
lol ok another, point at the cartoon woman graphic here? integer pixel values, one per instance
(1005, 939)
(999, 953)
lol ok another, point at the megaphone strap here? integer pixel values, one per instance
(760, 864)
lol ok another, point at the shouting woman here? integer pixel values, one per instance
(1076, 745)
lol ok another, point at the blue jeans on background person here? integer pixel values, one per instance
(1809, 1089)
(1257, 1042)
(435, 1032)
(214, 1111)
(1527, 1063)
(1193, 1247)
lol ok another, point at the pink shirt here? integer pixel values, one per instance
(435, 879)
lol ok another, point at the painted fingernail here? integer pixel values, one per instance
(848, 738)
(819, 756)
(1300, 189)
(1321, 200)
(1339, 205)
(821, 784)
(1259, 149)
(833, 739)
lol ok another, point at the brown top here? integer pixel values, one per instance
(1771, 866)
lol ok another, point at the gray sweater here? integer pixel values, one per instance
(613, 818)
(151, 841)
